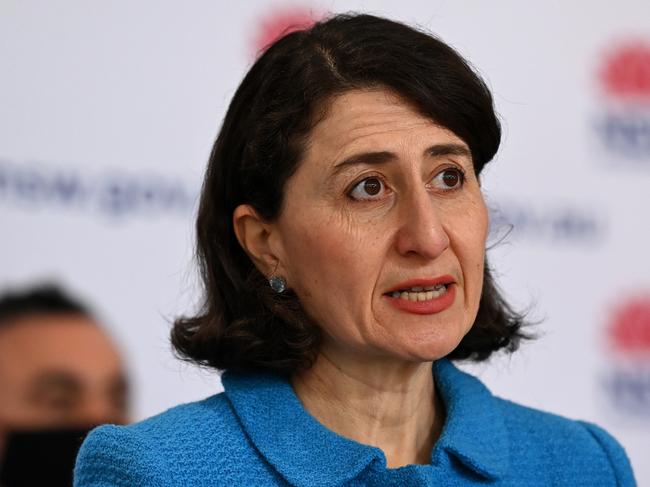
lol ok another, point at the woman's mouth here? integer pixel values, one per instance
(423, 300)
(420, 293)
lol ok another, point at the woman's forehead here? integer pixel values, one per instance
(376, 120)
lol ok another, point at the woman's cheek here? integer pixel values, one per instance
(315, 248)
(338, 253)
(475, 258)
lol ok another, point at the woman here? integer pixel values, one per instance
(341, 238)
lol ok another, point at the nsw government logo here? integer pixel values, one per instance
(626, 378)
(623, 125)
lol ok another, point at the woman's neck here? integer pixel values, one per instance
(391, 406)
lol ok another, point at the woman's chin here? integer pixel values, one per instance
(421, 338)
(422, 349)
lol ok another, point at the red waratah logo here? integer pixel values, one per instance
(626, 71)
(280, 23)
(629, 328)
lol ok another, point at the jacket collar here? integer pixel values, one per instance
(306, 453)
(474, 431)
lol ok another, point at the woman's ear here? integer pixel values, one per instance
(253, 234)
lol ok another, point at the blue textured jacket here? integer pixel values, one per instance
(257, 433)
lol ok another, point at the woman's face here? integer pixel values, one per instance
(382, 233)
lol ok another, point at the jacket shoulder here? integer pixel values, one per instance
(570, 447)
(614, 451)
(188, 421)
(168, 445)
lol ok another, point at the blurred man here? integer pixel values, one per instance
(60, 375)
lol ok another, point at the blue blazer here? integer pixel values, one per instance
(257, 433)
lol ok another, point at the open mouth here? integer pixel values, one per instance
(420, 293)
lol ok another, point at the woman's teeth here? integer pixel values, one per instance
(421, 293)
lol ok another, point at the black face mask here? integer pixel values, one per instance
(40, 457)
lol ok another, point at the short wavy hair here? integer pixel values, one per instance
(242, 323)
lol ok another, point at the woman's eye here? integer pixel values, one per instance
(449, 179)
(367, 189)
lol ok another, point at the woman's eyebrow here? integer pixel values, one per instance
(382, 157)
(448, 150)
(371, 158)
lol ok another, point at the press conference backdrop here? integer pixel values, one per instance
(107, 115)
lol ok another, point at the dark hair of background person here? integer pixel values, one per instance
(46, 298)
(243, 324)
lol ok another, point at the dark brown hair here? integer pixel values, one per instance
(44, 298)
(242, 322)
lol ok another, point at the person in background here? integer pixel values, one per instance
(60, 375)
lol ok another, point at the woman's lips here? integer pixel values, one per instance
(428, 306)
(422, 282)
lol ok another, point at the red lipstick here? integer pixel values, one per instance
(422, 282)
(429, 306)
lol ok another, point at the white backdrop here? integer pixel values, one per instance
(108, 111)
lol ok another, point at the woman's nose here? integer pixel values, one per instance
(420, 230)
